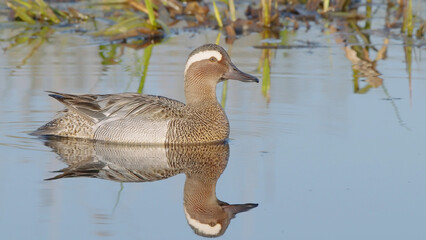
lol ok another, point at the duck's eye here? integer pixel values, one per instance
(213, 59)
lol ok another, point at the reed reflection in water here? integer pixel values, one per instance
(202, 165)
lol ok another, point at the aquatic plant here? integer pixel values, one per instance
(420, 33)
(217, 15)
(407, 22)
(151, 15)
(39, 11)
(232, 10)
(137, 24)
(145, 63)
(408, 49)
(265, 13)
(32, 37)
(109, 55)
(265, 66)
(358, 52)
(326, 5)
(31, 11)
(225, 83)
(266, 74)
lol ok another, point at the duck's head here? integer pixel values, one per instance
(210, 62)
(212, 220)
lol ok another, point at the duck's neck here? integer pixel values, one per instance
(200, 91)
(200, 194)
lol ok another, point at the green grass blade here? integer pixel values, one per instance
(151, 14)
(224, 93)
(21, 13)
(46, 11)
(121, 27)
(219, 35)
(23, 3)
(217, 15)
(326, 5)
(408, 50)
(265, 13)
(146, 57)
(225, 83)
(409, 21)
(266, 76)
(164, 26)
(368, 14)
(232, 10)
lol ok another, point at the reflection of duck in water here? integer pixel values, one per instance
(202, 164)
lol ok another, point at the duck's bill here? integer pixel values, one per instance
(236, 74)
(239, 208)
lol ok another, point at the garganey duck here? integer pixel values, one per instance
(141, 118)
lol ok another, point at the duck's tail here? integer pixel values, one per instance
(69, 124)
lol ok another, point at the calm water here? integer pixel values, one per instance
(324, 155)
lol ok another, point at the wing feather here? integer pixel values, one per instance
(97, 108)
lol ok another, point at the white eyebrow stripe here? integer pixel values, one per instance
(203, 227)
(202, 56)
